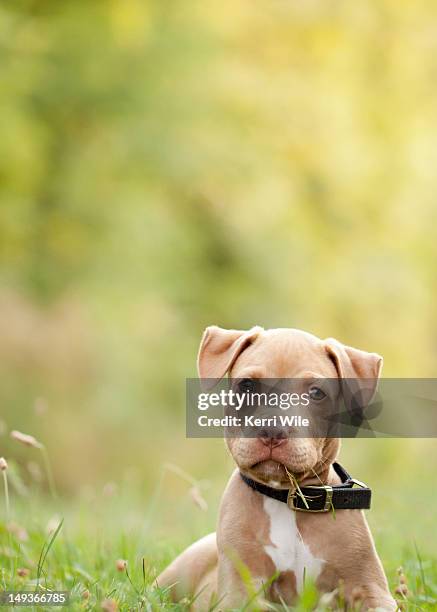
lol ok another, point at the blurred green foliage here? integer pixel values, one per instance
(165, 166)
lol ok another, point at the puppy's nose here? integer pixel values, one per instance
(272, 436)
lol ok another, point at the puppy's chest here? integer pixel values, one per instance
(287, 549)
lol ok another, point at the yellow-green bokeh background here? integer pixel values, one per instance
(166, 166)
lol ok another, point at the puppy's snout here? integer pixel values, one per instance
(272, 436)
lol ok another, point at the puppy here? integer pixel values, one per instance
(280, 543)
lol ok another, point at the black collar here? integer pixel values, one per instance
(321, 498)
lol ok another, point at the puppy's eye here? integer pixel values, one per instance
(317, 394)
(246, 385)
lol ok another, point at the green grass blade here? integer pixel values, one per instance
(45, 551)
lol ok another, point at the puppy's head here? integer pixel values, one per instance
(285, 354)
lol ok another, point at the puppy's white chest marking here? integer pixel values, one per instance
(287, 550)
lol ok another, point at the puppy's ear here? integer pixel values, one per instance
(361, 371)
(220, 348)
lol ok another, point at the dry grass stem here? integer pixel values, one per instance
(28, 440)
(4, 469)
(25, 439)
(293, 481)
(198, 498)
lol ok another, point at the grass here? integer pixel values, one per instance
(86, 565)
(77, 560)
(106, 547)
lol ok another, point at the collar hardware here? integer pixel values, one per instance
(328, 492)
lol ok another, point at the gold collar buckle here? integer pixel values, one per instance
(292, 494)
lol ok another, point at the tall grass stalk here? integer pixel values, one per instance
(8, 507)
(45, 551)
(49, 472)
(27, 440)
(3, 469)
